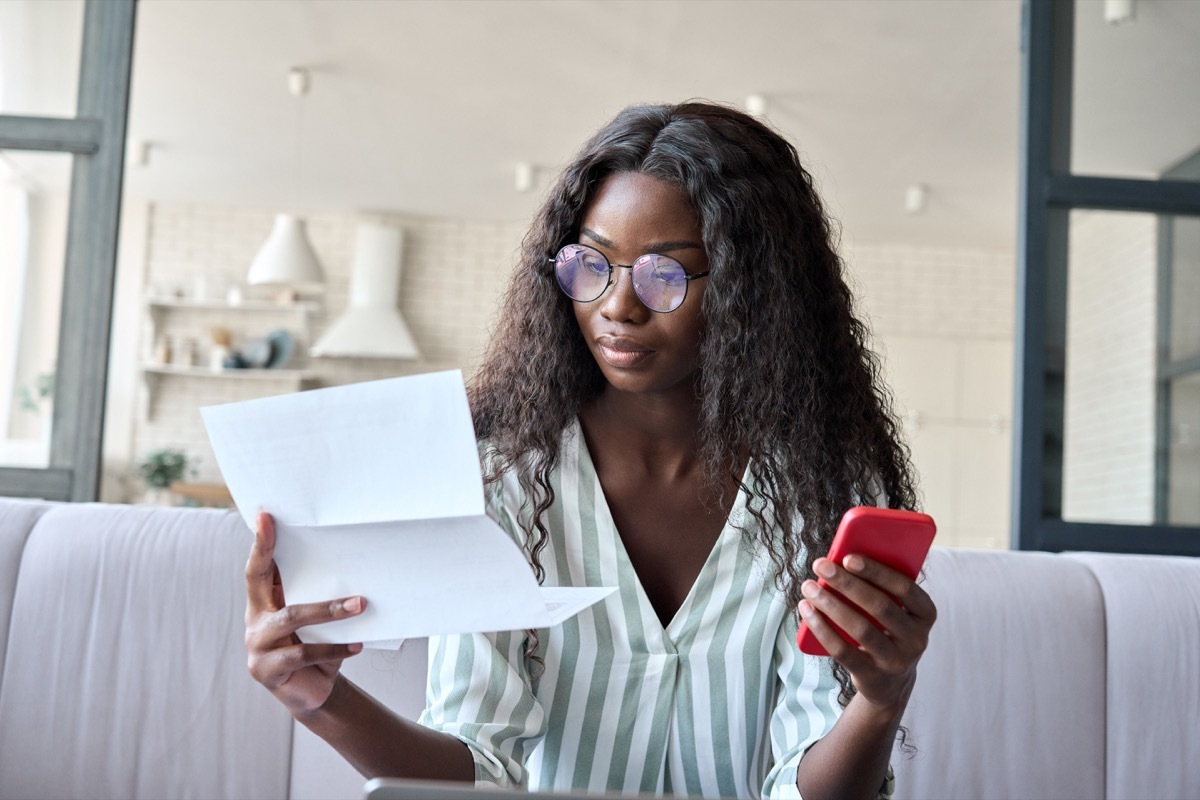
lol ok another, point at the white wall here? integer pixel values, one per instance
(943, 324)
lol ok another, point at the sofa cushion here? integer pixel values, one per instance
(126, 671)
(1152, 615)
(1010, 693)
(17, 518)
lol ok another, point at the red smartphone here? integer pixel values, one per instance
(899, 539)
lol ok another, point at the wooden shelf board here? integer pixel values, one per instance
(233, 374)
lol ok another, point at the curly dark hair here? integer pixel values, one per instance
(785, 374)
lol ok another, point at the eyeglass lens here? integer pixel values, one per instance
(583, 273)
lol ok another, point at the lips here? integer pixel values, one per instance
(622, 352)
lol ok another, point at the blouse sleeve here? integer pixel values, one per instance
(480, 691)
(806, 707)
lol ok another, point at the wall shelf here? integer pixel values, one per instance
(293, 380)
(304, 309)
(306, 306)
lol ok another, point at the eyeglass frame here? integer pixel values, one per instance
(552, 261)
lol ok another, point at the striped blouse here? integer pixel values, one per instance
(719, 703)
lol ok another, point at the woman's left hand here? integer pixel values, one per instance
(884, 666)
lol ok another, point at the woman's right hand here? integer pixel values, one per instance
(300, 675)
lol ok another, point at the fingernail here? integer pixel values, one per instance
(824, 567)
(806, 608)
(809, 589)
(854, 563)
(353, 605)
(355, 648)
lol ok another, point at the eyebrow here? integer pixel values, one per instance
(655, 247)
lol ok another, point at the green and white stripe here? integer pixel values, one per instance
(720, 703)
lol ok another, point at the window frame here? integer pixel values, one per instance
(96, 139)
(1048, 192)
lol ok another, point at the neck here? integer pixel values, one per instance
(659, 432)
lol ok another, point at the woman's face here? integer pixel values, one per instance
(640, 350)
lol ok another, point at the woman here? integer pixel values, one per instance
(678, 402)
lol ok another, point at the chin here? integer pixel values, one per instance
(644, 379)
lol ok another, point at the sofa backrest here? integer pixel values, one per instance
(1010, 694)
(1152, 626)
(125, 674)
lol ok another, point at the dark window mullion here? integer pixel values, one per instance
(91, 257)
(49, 133)
(1041, 288)
(1124, 194)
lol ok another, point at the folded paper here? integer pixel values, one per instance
(376, 490)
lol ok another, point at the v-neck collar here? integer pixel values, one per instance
(677, 626)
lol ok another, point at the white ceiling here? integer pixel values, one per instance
(425, 107)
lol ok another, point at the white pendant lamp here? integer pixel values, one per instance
(371, 327)
(287, 258)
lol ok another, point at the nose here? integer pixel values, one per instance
(620, 302)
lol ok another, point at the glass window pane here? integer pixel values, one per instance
(1136, 110)
(1183, 462)
(1184, 243)
(34, 200)
(40, 44)
(1128, 412)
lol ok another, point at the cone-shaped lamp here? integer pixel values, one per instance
(287, 259)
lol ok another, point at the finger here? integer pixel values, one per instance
(912, 597)
(876, 603)
(289, 619)
(838, 648)
(859, 627)
(276, 667)
(260, 567)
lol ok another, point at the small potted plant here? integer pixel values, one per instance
(159, 469)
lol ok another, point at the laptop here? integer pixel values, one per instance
(398, 789)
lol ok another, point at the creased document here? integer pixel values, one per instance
(376, 491)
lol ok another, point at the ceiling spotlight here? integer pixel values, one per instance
(756, 105)
(1118, 11)
(524, 176)
(299, 81)
(915, 198)
(138, 153)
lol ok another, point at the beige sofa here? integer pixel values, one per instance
(1048, 676)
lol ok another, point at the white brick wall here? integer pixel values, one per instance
(942, 321)
(1108, 441)
(453, 274)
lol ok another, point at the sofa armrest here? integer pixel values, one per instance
(126, 670)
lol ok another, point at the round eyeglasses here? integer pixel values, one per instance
(660, 282)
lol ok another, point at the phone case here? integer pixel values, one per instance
(899, 539)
